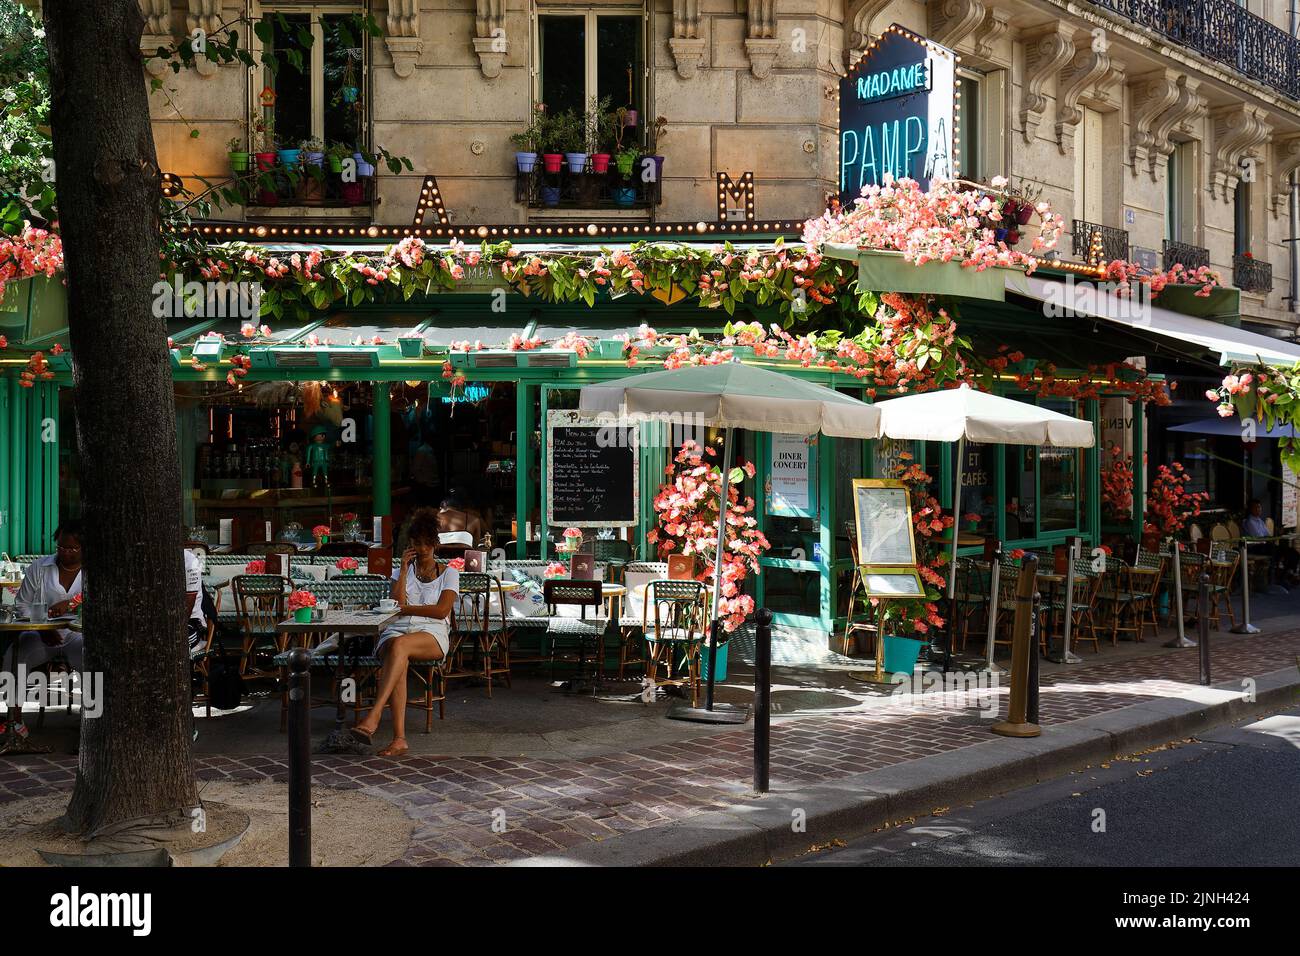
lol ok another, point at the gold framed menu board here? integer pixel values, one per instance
(882, 511)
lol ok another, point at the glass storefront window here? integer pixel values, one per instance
(1021, 505)
(1059, 484)
(979, 489)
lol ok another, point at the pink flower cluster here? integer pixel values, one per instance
(946, 224)
(31, 253)
(687, 506)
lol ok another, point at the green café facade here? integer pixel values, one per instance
(414, 437)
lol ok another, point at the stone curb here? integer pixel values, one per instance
(759, 829)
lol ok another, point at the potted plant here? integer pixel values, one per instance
(264, 143)
(300, 605)
(321, 533)
(573, 139)
(657, 138)
(528, 140)
(237, 154)
(365, 168)
(346, 565)
(600, 134)
(572, 540)
(313, 151)
(335, 155)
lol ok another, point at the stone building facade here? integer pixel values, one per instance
(1156, 121)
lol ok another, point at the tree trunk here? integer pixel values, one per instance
(136, 768)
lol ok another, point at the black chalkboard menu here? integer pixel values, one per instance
(591, 472)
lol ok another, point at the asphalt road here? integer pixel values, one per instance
(1228, 798)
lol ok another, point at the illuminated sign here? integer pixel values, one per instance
(898, 110)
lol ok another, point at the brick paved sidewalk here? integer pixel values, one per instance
(551, 805)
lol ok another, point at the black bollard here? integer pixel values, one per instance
(1031, 695)
(299, 757)
(1203, 624)
(762, 700)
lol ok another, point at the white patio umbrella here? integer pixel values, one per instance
(958, 414)
(733, 395)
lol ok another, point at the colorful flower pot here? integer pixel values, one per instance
(412, 346)
(525, 161)
(289, 157)
(302, 615)
(238, 162)
(552, 162)
(550, 195)
(336, 163)
(577, 161)
(659, 168)
(600, 162)
(1025, 214)
(631, 118)
(349, 571)
(625, 195)
(265, 161)
(313, 158)
(365, 170)
(354, 194)
(624, 162)
(901, 654)
(350, 94)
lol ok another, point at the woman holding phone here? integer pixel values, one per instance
(425, 592)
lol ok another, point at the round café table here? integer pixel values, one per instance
(11, 742)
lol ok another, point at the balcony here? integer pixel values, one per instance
(538, 189)
(1252, 275)
(1094, 242)
(1224, 31)
(1185, 254)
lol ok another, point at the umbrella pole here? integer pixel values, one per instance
(952, 560)
(715, 625)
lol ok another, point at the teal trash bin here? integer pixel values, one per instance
(901, 654)
(722, 662)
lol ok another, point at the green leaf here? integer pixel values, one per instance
(736, 476)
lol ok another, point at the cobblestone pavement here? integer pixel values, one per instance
(550, 805)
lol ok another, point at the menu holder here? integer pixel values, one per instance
(681, 567)
(476, 562)
(379, 560)
(582, 566)
(274, 563)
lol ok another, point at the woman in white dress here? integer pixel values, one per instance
(426, 592)
(53, 581)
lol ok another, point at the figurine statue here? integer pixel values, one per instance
(318, 457)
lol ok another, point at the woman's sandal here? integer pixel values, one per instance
(361, 736)
(389, 751)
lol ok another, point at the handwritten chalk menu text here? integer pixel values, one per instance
(897, 113)
(591, 472)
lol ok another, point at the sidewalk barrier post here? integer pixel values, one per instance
(1182, 639)
(995, 573)
(1023, 655)
(299, 757)
(1031, 689)
(762, 700)
(1203, 621)
(1245, 627)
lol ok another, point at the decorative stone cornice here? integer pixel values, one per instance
(686, 45)
(1286, 160)
(402, 35)
(990, 31)
(490, 43)
(157, 32)
(858, 15)
(1047, 49)
(1238, 130)
(761, 44)
(951, 21)
(1188, 106)
(1152, 94)
(1089, 65)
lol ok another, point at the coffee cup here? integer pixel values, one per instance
(388, 604)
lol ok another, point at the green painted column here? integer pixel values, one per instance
(544, 407)
(6, 441)
(1092, 464)
(18, 443)
(382, 451)
(827, 456)
(523, 464)
(1139, 469)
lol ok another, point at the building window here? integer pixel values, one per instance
(972, 149)
(1241, 219)
(319, 84)
(1178, 177)
(585, 56)
(980, 125)
(1089, 159)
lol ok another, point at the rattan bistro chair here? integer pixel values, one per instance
(259, 606)
(480, 629)
(974, 581)
(631, 648)
(673, 619)
(583, 630)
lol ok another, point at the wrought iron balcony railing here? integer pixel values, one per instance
(1185, 254)
(1224, 31)
(1252, 275)
(1097, 243)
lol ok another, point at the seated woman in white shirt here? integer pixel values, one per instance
(426, 593)
(54, 581)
